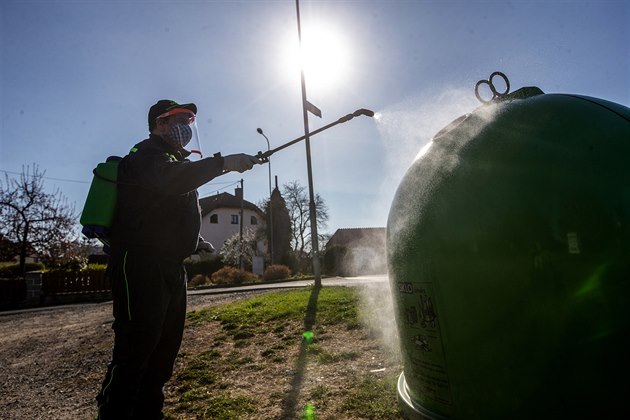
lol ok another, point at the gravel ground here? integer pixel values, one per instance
(54, 360)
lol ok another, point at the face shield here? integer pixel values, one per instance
(183, 130)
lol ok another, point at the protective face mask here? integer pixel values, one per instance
(181, 134)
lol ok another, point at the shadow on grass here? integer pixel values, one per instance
(290, 402)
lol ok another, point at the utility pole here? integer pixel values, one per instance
(312, 210)
(241, 263)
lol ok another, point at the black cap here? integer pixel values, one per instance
(164, 105)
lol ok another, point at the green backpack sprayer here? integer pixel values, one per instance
(100, 205)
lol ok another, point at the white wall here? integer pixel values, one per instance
(218, 233)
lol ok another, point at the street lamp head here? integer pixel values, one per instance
(260, 131)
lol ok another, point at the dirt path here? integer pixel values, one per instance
(53, 361)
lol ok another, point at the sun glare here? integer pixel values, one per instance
(324, 56)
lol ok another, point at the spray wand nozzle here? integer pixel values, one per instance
(356, 113)
(264, 157)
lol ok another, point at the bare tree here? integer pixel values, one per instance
(297, 202)
(35, 220)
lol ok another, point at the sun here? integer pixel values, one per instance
(324, 56)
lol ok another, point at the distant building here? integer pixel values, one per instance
(220, 218)
(356, 251)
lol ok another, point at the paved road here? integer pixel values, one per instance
(380, 280)
(373, 281)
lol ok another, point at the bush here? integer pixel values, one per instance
(70, 264)
(87, 269)
(231, 275)
(276, 271)
(97, 267)
(199, 280)
(13, 270)
(206, 266)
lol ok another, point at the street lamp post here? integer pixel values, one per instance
(259, 130)
(307, 142)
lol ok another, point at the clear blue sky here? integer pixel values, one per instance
(77, 79)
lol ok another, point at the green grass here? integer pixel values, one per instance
(326, 357)
(373, 398)
(219, 407)
(262, 336)
(200, 370)
(249, 318)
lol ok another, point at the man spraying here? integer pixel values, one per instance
(156, 227)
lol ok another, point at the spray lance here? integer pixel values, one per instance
(264, 157)
(99, 209)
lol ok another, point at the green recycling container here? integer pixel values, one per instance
(100, 205)
(509, 261)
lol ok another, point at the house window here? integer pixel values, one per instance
(253, 220)
(235, 219)
(214, 218)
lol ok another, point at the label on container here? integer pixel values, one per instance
(428, 374)
(573, 242)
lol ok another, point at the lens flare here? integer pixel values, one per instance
(324, 56)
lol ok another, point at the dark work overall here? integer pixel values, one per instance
(149, 309)
(156, 227)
